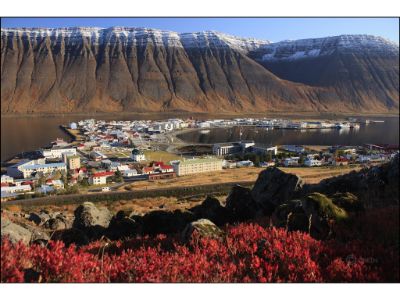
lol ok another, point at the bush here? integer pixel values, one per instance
(248, 253)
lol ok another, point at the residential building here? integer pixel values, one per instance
(72, 161)
(16, 189)
(266, 164)
(137, 155)
(245, 163)
(6, 179)
(129, 173)
(291, 162)
(229, 164)
(57, 152)
(293, 148)
(194, 166)
(28, 170)
(261, 150)
(340, 161)
(312, 162)
(100, 178)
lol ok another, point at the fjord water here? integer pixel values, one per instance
(20, 134)
(375, 133)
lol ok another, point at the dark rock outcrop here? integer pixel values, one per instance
(71, 236)
(212, 210)
(375, 187)
(122, 225)
(274, 187)
(241, 205)
(160, 221)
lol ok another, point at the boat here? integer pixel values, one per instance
(207, 131)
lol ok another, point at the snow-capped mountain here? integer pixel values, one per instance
(141, 69)
(136, 37)
(305, 48)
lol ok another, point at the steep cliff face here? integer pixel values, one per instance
(362, 70)
(137, 69)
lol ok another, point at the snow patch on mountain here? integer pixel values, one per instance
(137, 36)
(306, 48)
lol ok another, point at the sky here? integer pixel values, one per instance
(273, 29)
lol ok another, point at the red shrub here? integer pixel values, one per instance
(249, 253)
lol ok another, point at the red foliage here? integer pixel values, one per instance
(249, 253)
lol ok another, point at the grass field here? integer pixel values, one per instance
(310, 175)
(164, 156)
(117, 152)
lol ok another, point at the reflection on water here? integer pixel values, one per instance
(25, 134)
(377, 133)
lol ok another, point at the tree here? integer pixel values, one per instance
(118, 176)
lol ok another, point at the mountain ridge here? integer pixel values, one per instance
(144, 70)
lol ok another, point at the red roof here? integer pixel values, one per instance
(103, 174)
(161, 165)
(147, 169)
(341, 159)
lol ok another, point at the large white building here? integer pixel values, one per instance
(194, 166)
(16, 171)
(57, 152)
(221, 149)
(28, 170)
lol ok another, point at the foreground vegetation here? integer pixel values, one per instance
(367, 250)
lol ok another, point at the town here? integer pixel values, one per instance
(105, 155)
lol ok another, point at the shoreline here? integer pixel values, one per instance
(306, 114)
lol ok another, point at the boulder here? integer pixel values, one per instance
(212, 210)
(274, 187)
(159, 221)
(38, 218)
(122, 225)
(55, 224)
(290, 215)
(241, 205)
(88, 215)
(15, 232)
(377, 186)
(92, 220)
(204, 228)
(348, 202)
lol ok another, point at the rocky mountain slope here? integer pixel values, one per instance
(137, 69)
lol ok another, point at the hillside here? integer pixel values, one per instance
(146, 70)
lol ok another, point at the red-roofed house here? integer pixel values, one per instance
(340, 161)
(100, 178)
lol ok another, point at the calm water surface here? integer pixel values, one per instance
(376, 133)
(26, 134)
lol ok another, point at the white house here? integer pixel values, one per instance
(16, 189)
(138, 155)
(245, 163)
(129, 173)
(291, 162)
(57, 152)
(6, 179)
(312, 162)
